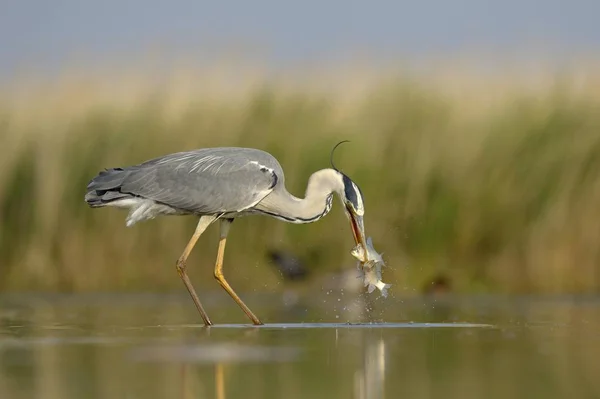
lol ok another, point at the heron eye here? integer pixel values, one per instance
(355, 208)
(359, 210)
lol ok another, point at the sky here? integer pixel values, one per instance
(49, 34)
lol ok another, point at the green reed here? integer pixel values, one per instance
(498, 195)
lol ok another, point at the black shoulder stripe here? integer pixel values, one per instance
(275, 179)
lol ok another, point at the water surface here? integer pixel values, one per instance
(322, 346)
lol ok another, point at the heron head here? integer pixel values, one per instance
(353, 203)
(354, 207)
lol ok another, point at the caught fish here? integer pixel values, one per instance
(369, 266)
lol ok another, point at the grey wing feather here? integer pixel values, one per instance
(206, 181)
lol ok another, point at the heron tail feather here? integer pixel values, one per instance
(105, 188)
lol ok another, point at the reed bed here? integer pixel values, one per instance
(491, 179)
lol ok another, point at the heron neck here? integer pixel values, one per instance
(316, 203)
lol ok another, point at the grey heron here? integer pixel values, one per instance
(222, 183)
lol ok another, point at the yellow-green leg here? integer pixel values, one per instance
(225, 225)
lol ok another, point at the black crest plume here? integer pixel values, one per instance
(331, 155)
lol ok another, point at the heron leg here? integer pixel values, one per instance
(181, 265)
(225, 225)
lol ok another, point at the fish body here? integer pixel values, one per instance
(369, 266)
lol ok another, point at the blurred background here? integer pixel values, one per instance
(475, 138)
(474, 128)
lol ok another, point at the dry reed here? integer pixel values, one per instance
(491, 179)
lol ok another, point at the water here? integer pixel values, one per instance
(320, 346)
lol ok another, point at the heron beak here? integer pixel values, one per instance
(358, 228)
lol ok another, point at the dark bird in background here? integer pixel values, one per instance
(290, 266)
(438, 285)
